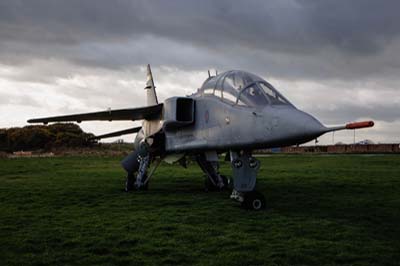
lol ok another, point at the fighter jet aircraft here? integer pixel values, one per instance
(234, 112)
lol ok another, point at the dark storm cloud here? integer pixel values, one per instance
(380, 112)
(16, 99)
(339, 60)
(285, 38)
(359, 26)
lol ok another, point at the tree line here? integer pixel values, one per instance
(44, 137)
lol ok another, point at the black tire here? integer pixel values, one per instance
(228, 182)
(254, 200)
(129, 183)
(142, 188)
(145, 187)
(209, 186)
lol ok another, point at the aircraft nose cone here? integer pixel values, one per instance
(312, 124)
(309, 125)
(289, 126)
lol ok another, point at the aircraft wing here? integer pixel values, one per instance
(118, 133)
(110, 115)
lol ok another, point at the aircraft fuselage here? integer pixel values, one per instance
(222, 126)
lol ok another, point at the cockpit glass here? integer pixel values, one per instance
(239, 79)
(253, 96)
(209, 85)
(243, 88)
(273, 95)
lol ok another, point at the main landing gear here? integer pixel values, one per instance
(138, 181)
(245, 169)
(136, 165)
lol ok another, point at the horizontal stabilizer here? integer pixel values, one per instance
(117, 133)
(132, 114)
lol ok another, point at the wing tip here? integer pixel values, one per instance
(34, 121)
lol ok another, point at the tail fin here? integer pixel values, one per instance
(151, 89)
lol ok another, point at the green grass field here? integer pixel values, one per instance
(321, 210)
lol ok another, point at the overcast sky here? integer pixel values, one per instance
(338, 60)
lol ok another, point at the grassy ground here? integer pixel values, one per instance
(322, 210)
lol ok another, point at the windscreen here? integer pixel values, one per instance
(253, 96)
(273, 95)
(243, 88)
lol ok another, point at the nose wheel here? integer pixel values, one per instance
(245, 168)
(253, 200)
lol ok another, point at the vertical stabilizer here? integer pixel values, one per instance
(150, 89)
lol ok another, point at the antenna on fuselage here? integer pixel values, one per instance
(209, 75)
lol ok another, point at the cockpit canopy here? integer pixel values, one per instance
(243, 88)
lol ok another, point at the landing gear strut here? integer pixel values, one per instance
(245, 169)
(214, 181)
(141, 182)
(137, 162)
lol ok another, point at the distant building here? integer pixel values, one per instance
(365, 142)
(339, 148)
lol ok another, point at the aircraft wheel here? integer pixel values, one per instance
(227, 181)
(254, 200)
(129, 183)
(144, 187)
(208, 185)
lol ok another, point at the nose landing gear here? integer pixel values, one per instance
(245, 169)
